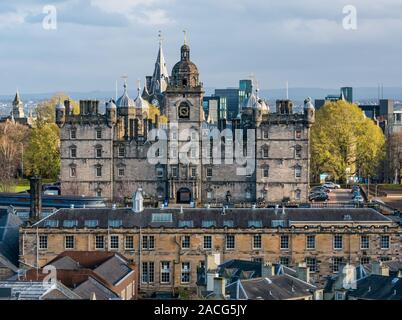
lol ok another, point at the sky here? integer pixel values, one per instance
(98, 41)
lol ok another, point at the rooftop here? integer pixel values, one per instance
(218, 218)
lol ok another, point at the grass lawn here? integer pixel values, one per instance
(390, 186)
(23, 184)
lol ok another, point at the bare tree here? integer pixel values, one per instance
(13, 138)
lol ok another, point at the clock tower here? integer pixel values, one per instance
(185, 113)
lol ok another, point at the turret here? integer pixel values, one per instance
(60, 114)
(111, 112)
(138, 201)
(309, 111)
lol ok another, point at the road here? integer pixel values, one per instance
(340, 195)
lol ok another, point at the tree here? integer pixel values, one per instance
(13, 138)
(42, 156)
(45, 111)
(344, 142)
(394, 145)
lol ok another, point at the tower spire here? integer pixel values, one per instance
(185, 36)
(160, 77)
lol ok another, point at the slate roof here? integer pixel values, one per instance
(9, 236)
(90, 286)
(241, 217)
(279, 287)
(113, 270)
(36, 290)
(376, 287)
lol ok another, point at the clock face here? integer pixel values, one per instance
(155, 102)
(184, 111)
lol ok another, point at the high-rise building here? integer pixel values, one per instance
(347, 93)
(245, 89)
(232, 100)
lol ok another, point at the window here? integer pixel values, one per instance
(98, 171)
(285, 261)
(248, 195)
(311, 262)
(73, 133)
(186, 223)
(385, 259)
(121, 152)
(310, 242)
(69, 242)
(193, 135)
(115, 223)
(121, 172)
(165, 272)
(265, 172)
(284, 242)
(209, 172)
(336, 264)
(98, 152)
(99, 193)
(257, 241)
(148, 272)
(298, 172)
(129, 245)
(265, 152)
(73, 152)
(208, 223)
(230, 242)
(159, 172)
(148, 242)
(99, 242)
(278, 223)
(255, 223)
(73, 172)
(207, 242)
(298, 194)
(70, 223)
(193, 172)
(91, 223)
(364, 242)
(228, 223)
(98, 133)
(257, 259)
(185, 242)
(193, 153)
(51, 223)
(114, 242)
(173, 152)
(43, 242)
(365, 260)
(265, 134)
(338, 242)
(298, 152)
(185, 272)
(384, 242)
(298, 134)
(162, 217)
(174, 172)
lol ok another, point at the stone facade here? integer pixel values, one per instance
(334, 238)
(115, 153)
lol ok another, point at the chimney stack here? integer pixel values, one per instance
(267, 270)
(303, 272)
(36, 197)
(219, 286)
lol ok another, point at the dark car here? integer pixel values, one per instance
(318, 196)
(320, 189)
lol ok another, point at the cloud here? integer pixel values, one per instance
(154, 18)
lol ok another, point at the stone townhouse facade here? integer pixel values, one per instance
(169, 245)
(115, 153)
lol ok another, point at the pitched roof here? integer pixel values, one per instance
(9, 236)
(113, 270)
(37, 290)
(279, 287)
(92, 286)
(376, 287)
(241, 217)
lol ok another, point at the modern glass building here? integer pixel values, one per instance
(215, 108)
(245, 89)
(232, 100)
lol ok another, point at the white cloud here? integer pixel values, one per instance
(154, 18)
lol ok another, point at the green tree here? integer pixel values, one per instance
(45, 111)
(344, 142)
(42, 156)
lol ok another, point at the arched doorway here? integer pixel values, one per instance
(183, 195)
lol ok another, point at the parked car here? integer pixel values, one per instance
(331, 185)
(320, 189)
(52, 191)
(318, 196)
